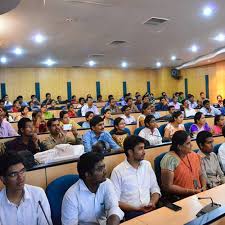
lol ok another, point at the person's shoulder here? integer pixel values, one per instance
(87, 133)
(146, 163)
(34, 191)
(221, 148)
(119, 167)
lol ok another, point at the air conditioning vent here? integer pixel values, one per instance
(155, 21)
(118, 43)
(96, 55)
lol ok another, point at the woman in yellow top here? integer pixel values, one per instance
(65, 120)
(146, 110)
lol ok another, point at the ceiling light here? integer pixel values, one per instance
(207, 11)
(173, 57)
(3, 60)
(18, 51)
(39, 38)
(158, 64)
(220, 37)
(194, 48)
(124, 64)
(49, 62)
(91, 63)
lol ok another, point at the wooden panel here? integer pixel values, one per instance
(36, 178)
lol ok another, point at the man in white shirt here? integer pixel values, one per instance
(20, 204)
(126, 115)
(175, 103)
(89, 107)
(221, 152)
(135, 181)
(150, 132)
(209, 110)
(92, 199)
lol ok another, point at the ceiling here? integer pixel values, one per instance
(91, 27)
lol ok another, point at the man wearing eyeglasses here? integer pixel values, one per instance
(20, 204)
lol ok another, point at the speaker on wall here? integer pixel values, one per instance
(175, 73)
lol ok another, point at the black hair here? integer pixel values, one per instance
(217, 119)
(7, 160)
(178, 138)
(69, 105)
(144, 96)
(110, 96)
(161, 98)
(201, 137)
(145, 106)
(183, 101)
(73, 96)
(110, 99)
(117, 121)
(148, 118)
(47, 94)
(32, 96)
(197, 116)
(62, 113)
(60, 96)
(175, 115)
(95, 120)
(22, 124)
(100, 147)
(18, 97)
(23, 107)
(87, 162)
(81, 98)
(43, 105)
(202, 92)
(128, 99)
(130, 142)
(14, 102)
(89, 98)
(87, 114)
(50, 121)
(218, 96)
(99, 96)
(223, 131)
(224, 102)
(205, 102)
(170, 107)
(124, 108)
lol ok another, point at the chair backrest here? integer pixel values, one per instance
(55, 192)
(127, 130)
(102, 110)
(216, 148)
(137, 130)
(79, 112)
(161, 129)
(158, 168)
(187, 126)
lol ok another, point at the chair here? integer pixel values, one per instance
(158, 168)
(187, 126)
(161, 129)
(102, 110)
(216, 148)
(55, 192)
(138, 130)
(79, 113)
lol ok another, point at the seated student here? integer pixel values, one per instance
(47, 100)
(100, 147)
(119, 133)
(107, 103)
(192, 103)
(154, 113)
(188, 111)
(135, 181)
(107, 117)
(24, 110)
(124, 99)
(88, 116)
(209, 162)
(175, 103)
(150, 132)
(16, 106)
(146, 110)
(219, 100)
(218, 124)
(99, 98)
(181, 173)
(168, 117)
(223, 108)
(28, 139)
(126, 115)
(59, 100)
(58, 136)
(21, 102)
(53, 105)
(94, 189)
(20, 203)
(65, 120)
(7, 103)
(46, 114)
(162, 105)
(209, 110)
(89, 107)
(199, 125)
(138, 102)
(145, 99)
(81, 102)
(181, 97)
(96, 134)
(39, 123)
(132, 106)
(73, 99)
(174, 125)
(6, 129)
(71, 111)
(34, 100)
(112, 106)
(221, 152)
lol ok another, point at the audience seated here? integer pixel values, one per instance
(188, 111)
(221, 152)
(181, 173)
(168, 117)
(145, 99)
(218, 125)
(47, 100)
(81, 102)
(21, 102)
(107, 117)
(175, 103)
(199, 124)
(28, 139)
(46, 114)
(53, 105)
(39, 123)
(209, 162)
(24, 113)
(88, 116)
(60, 101)
(151, 132)
(99, 98)
(181, 97)
(16, 106)
(124, 99)
(135, 181)
(162, 105)
(202, 97)
(154, 113)
(65, 120)
(92, 199)
(34, 103)
(6, 129)
(58, 136)
(174, 125)
(126, 115)
(132, 106)
(223, 108)
(71, 111)
(20, 203)
(112, 106)
(219, 100)
(73, 99)
(119, 133)
(192, 103)
(96, 134)
(209, 110)
(7, 103)
(146, 110)
(89, 107)
(138, 102)
(164, 95)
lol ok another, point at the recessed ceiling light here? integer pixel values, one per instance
(158, 64)
(207, 11)
(18, 51)
(49, 62)
(3, 60)
(173, 57)
(91, 63)
(39, 38)
(220, 37)
(194, 48)
(124, 64)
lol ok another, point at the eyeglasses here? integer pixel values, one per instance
(16, 174)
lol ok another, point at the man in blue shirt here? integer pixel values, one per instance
(96, 134)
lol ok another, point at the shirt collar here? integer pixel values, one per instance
(128, 166)
(93, 135)
(203, 155)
